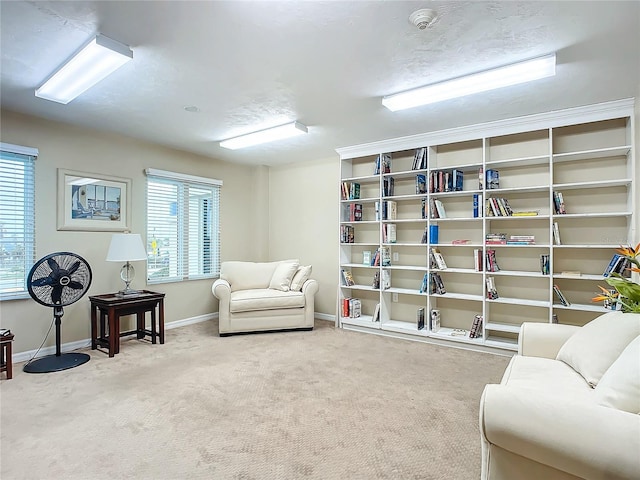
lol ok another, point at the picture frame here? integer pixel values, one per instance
(93, 202)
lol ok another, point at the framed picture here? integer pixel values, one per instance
(93, 202)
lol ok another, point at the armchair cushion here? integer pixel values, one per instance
(282, 275)
(594, 348)
(619, 387)
(302, 275)
(264, 299)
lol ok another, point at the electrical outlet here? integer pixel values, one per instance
(394, 297)
(396, 256)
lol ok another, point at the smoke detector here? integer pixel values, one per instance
(423, 18)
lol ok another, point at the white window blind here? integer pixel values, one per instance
(183, 227)
(17, 219)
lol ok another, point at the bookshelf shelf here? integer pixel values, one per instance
(579, 159)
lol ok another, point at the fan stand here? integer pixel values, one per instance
(59, 361)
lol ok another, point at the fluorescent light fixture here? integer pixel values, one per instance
(263, 136)
(514, 74)
(100, 57)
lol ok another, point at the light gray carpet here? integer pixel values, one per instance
(326, 404)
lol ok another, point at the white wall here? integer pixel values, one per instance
(244, 200)
(303, 206)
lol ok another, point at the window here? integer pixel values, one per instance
(17, 219)
(183, 227)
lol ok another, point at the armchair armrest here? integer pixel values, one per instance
(584, 439)
(221, 289)
(543, 339)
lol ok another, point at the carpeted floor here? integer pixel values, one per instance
(326, 404)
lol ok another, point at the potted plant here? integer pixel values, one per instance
(627, 291)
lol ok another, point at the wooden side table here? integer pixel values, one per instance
(112, 306)
(6, 354)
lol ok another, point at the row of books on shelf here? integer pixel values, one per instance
(558, 203)
(386, 210)
(351, 307)
(491, 177)
(382, 164)
(446, 181)
(485, 262)
(388, 187)
(389, 233)
(350, 191)
(352, 212)
(432, 283)
(503, 239)
(619, 265)
(420, 159)
(347, 234)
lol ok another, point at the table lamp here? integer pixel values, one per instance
(126, 247)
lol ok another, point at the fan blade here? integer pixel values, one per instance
(53, 266)
(75, 285)
(56, 294)
(43, 282)
(73, 268)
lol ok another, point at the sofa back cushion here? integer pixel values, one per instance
(247, 275)
(593, 349)
(619, 387)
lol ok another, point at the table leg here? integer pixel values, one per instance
(114, 335)
(140, 325)
(161, 320)
(94, 327)
(153, 325)
(9, 361)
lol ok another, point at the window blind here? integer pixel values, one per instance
(183, 227)
(17, 219)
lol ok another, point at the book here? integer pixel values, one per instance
(478, 260)
(420, 159)
(492, 291)
(434, 320)
(421, 184)
(389, 210)
(420, 318)
(526, 213)
(558, 203)
(388, 187)
(493, 179)
(355, 308)
(491, 264)
(480, 178)
(347, 278)
(561, 297)
(389, 233)
(437, 285)
(438, 258)
(476, 327)
(366, 257)
(385, 281)
(347, 234)
(376, 314)
(458, 180)
(382, 164)
(425, 283)
(440, 209)
(477, 205)
(376, 280)
(612, 263)
(385, 256)
(556, 234)
(544, 264)
(424, 235)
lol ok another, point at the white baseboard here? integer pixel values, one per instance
(325, 316)
(71, 346)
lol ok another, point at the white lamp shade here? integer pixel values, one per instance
(126, 247)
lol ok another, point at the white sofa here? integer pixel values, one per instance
(264, 296)
(568, 404)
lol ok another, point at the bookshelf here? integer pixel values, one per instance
(586, 154)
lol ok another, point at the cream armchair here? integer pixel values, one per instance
(568, 405)
(264, 296)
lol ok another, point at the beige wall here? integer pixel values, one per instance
(303, 206)
(244, 200)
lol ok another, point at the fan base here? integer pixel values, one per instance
(56, 363)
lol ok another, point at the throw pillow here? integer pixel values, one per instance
(284, 272)
(593, 349)
(301, 276)
(619, 387)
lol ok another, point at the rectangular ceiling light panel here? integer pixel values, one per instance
(99, 58)
(264, 136)
(514, 74)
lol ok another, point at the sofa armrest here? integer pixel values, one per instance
(221, 289)
(584, 439)
(310, 288)
(543, 339)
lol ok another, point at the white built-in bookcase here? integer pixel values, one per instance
(587, 153)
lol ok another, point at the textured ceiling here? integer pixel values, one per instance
(250, 65)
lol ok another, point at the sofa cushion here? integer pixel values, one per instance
(302, 275)
(282, 275)
(247, 275)
(545, 375)
(619, 387)
(264, 299)
(593, 349)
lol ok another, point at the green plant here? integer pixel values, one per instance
(627, 291)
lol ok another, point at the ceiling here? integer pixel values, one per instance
(250, 65)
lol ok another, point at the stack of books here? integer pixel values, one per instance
(496, 238)
(521, 240)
